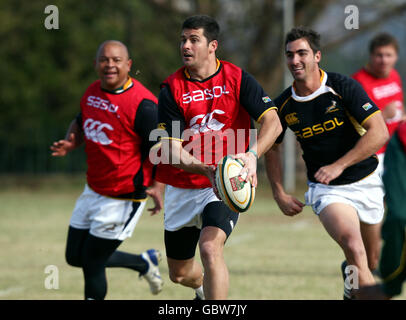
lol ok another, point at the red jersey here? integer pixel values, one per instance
(115, 159)
(383, 91)
(214, 117)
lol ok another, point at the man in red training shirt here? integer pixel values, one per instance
(117, 115)
(382, 82)
(206, 97)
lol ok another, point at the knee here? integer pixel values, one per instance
(210, 253)
(177, 275)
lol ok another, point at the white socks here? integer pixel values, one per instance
(199, 292)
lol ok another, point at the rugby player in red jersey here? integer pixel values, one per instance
(382, 83)
(206, 98)
(117, 115)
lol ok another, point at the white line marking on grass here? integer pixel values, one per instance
(299, 225)
(8, 291)
(237, 239)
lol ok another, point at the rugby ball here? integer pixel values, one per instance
(237, 194)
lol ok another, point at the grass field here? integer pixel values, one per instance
(269, 256)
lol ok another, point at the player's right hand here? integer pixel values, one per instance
(289, 205)
(62, 147)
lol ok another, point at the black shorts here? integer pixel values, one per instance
(181, 244)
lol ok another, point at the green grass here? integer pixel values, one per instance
(269, 256)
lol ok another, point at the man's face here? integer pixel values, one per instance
(301, 60)
(383, 60)
(113, 66)
(194, 48)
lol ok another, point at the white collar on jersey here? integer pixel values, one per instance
(322, 89)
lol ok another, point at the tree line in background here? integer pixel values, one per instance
(45, 72)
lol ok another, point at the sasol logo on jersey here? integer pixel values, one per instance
(94, 131)
(319, 128)
(101, 104)
(207, 122)
(206, 94)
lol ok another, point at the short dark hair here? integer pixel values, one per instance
(381, 40)
(312, 37)
(211, 28)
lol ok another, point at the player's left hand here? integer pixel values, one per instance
(156, 193)
(250, 167)
(328, 173)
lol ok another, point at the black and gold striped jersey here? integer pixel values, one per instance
(328, 123)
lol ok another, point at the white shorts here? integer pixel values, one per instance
(106, 217)
(366, 196)
(183, 207)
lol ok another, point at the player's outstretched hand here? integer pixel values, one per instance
(62, 147)
(156, 193)
(250, 167)
(289, 205)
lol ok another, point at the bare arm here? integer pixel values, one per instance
(73, 139)
(180, 158)
(288, 204)
(375, 137)
(270, 129)
(173, 150)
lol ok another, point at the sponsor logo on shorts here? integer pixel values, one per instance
(110, 228)
(317, 205)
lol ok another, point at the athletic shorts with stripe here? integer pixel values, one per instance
(365, 196)
(106, 217)
(187, 212)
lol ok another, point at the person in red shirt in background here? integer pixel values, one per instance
(383, 84)
(117, 115)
